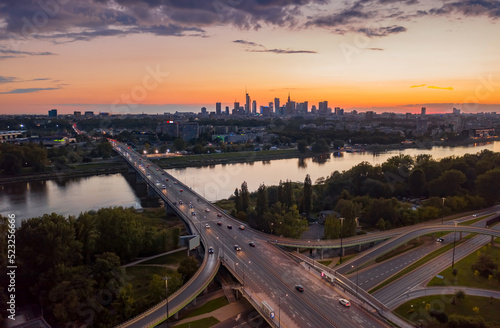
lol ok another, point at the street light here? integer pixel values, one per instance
(442, 215)
(454, 242)
(279, 310)
(166, 299)
(357, 277)
(341, 225)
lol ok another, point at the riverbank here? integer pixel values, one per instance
(69, 171)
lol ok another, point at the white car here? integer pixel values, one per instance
(344, 302)
(207, 226)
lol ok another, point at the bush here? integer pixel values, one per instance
(440, 316)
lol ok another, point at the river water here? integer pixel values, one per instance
(72, 196)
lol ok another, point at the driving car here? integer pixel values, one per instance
(180, 202)
(344, 302)
(207, 226)
(252, 244)
(241, 227)
(219, 215)
(219, 223)
(299, 288)
(229, 226)
(210, 250)
(440, 239)
(236, 247)
(181, 190)
(207, 210)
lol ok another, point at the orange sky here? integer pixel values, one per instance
(453, 60)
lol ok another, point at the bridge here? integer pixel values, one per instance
(267, 274)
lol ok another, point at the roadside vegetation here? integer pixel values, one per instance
(452, 311)
(69, 261)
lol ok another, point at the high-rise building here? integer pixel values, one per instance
(422, 111)
(254, 107)
(53, 113)
(323, 107)
(456, 111)
(277, 105)
(218, 108)
(247, 103)
(227, 110)
(236, 106)
(77, 113)
(271, 106)
(203, 111)
(89, 113)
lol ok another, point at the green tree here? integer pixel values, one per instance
(175, 236)
(487, 186)
(307, 194)
(485, 265)
(459, 295)
(262, 201)
(302, 146)
(332, 227)
(187, 268)
(157, 288)
(125, 304)
(104, 148)
(417, 182)
(461, 321)
(108, 273)
(87, 234)
(179, 144)
(286, 221)
(381, 224)
(237, 200)
(245, 196)
(288, 195)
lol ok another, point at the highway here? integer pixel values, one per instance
(373, 275)
(264, 270)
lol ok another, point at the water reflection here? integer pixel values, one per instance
(321, 159)
(302, 163)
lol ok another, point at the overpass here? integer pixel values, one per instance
(266, 274)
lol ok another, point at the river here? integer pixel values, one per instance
(72, 196)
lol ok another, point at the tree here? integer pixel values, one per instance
(307, 193)
(302, 146)
(461, 321)
(237, 200)
(104, 148)
(288, 196)
(380, 224)
(286, 221)
(459, 295)
(332, 227)
(87, 234)
(187, 268)
(245, 196)
(485, 265)
(417, 182)
(107, 272)
(262, 202)
(126, 302)
(157, 288)
(179, 144)
(487, 187)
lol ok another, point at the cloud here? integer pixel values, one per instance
(251, 47)
(27, 90)
(440, 88)
(7, 79)
(382, 31)
(418, 86)
(375, 49)
(283, 51)
(488, 8)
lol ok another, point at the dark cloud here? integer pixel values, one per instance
(469, 8)
(283, 51)
(256, 47)
(355, 13)
(382, 31)
(7, 79)
(28, 53)
(27, 90)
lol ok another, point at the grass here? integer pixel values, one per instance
(202, 323)
(209, 307)
(465, 276)
(414, 266)
(488, 308)
(326, 262)
(170, 259)
(400, 250)
(140, 278)
(470, 222)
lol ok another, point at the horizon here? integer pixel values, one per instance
(122, 57)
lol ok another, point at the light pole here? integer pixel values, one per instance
(357, 277)
(454, 242)
(341, 249)
(442, 215)
(166, 290)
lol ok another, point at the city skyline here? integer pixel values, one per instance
(159, 56)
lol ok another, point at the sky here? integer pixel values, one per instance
(134, 56)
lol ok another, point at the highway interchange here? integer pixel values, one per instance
(266, 272)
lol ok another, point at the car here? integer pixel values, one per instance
(181, 190)
(219, 215)
(210, 250)
(440, 239)
(252, 244)
(191, 206)
(163, 187)
(180, 202)
(157, 169)
(236, 247)
(207, 226)
(241, 227)
(474, 215)
(344, 302)
(207, 210)
(175, 182)
(299, 288)
(166, 179)
(219, 223)
(193, 213)
(163, 173)
(229, 226)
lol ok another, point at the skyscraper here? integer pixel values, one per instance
(53, 113)
(247, 103)
(218, 108)
(254, 107)
(422, 111)
(277, 106)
